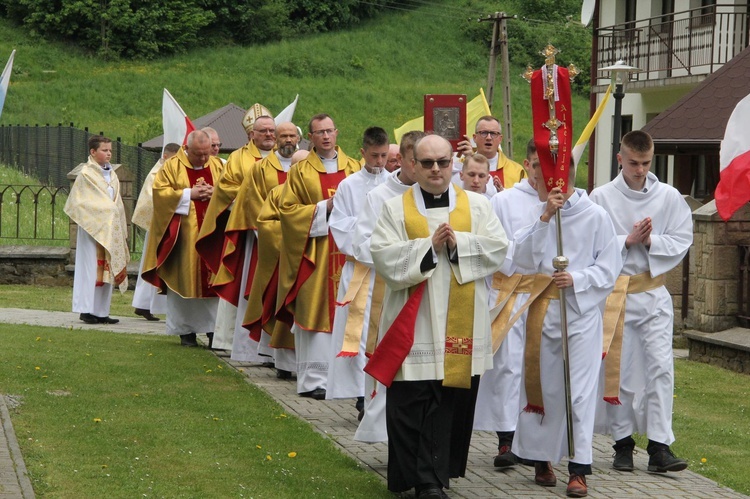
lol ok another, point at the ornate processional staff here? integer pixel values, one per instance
(550, 99)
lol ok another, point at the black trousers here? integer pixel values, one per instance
(429, 432)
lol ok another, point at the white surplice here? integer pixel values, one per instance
(590, 244)
(647, 370)
(498, 401)
(372, 428)
(397, 259)
(346, 378)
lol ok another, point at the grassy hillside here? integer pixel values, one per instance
(374, 74)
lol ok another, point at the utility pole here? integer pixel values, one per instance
(500, 37)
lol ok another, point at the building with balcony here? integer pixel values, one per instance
(680, 47)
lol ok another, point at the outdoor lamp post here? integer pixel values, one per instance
(618, 72)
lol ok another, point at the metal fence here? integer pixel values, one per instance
(34, 212)
(48, 153)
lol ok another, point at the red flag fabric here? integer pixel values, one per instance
(733, 190)
(555, 169)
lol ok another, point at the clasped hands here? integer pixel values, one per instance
(201, 191)
(443, 236)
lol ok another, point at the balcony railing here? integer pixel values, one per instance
(685, 43)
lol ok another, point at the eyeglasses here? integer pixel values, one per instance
(266, 131)
(429, 163)
(217, 145)
(327, 131)
(489, 133)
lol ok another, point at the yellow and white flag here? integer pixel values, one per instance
(584, 138)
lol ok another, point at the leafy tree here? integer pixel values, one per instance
(115, 27)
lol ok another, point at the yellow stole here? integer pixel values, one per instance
(356, 298)
(614, 321)
(459, 331)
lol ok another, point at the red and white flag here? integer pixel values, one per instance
(733, 190)
(175, 122)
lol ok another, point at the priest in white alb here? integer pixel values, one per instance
(433, 246)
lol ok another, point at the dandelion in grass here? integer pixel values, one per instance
(242, 370)
(97, 420)
(37, 368)
(216, 419)
(704, 460)
(150, 354)
(209, 371)
(38, 338)
(292, 454)
(268, 457)
(44, 376)
(104, 466)
(258, 447)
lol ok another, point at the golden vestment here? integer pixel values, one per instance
(211, 238)
(171, 260)
(261, 178)
(90, 206)
(307, 290)
(144, 207)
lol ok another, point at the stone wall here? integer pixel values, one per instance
(716, 257)
(727, 357)
(35, 265)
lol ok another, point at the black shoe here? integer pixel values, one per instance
(210, 337)
(430, 492)
(623, 460)
(317, 394)
(282, 374)
(89, 318)
(505, 458)
(662, 459)
(188, 340)
(146, 314)
(107, 320)
(360, 404)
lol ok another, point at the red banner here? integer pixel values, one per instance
(555, 169)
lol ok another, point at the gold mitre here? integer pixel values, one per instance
(252, 114)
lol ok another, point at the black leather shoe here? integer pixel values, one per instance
(210, 337)
(360, 404)
(623, 460)
(430, 491)
(662, 459)
(317, 394)
(505, 458)
(107, 320)
(282, 374)
(89, 318)
(146, 314)
(188, 340)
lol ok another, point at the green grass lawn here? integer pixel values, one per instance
(710, 410)
(121, 416)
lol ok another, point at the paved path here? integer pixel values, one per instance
(337, 420)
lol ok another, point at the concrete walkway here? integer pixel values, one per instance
(337, 420)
